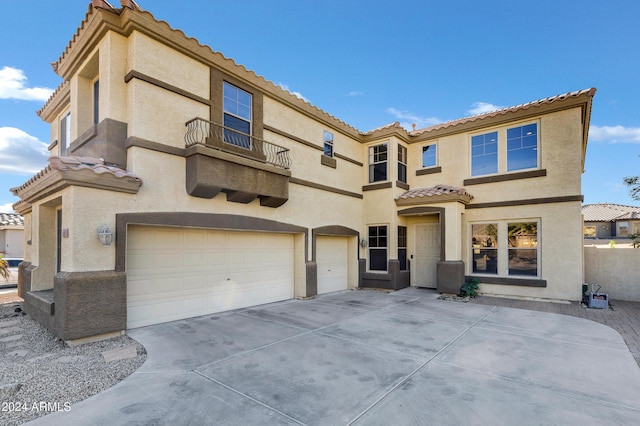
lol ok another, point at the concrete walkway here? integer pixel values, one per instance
(368, 357)
(622, 316)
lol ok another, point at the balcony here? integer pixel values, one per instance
(221, 159)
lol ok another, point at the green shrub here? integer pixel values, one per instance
(470, 288)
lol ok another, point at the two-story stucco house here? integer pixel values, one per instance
(220, 190)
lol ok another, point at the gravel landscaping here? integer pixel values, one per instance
(40, 373)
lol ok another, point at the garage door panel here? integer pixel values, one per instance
(179, 273)
(332, 259)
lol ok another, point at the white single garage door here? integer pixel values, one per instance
(332, 259)
(176, 273)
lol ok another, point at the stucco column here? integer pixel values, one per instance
(453, 231)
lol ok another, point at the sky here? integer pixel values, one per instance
(370, 63)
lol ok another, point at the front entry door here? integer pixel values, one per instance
(426, 255)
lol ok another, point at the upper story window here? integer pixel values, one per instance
(402, 164)
(484, 154)
(65, 133)
(522, 147)
(430, 155)
(328, 144)
(96, 101)
(378, 162)
(237, 116)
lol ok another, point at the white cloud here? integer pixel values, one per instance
(6, 208)
(12, 86)
(407, 119)
(614, 134)
(20, 152)
(296, 94)
(483, 107)
(355, 93)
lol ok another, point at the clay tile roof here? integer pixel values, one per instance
(504, 111)
(606, 212)
(433, 191)
(96, 165)
(11, 219)
(394, 125)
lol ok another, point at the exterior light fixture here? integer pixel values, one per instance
(105, 235)
(363, 242)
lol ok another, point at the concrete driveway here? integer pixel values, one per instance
(369, 357)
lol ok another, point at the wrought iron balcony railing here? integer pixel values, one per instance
(204, 132)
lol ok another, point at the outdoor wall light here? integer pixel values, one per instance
(363, 242)
(105, 235)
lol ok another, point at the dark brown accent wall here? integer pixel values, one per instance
(216, 116)
(394, 279)
(104, 140)
(505, 177)
(550, 200)
(430, 170)
(376, 186)
(209, 171)
(328, 161)
(402, 185)
(526, 282)
(310, 184)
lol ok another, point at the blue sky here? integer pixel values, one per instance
(370, 63)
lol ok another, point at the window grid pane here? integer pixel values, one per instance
(522, 241)
(378, 248)
(378, 163)
(522, 147)
(484, 154)
(429, 156)
(402, 247)
(485, 252)
(328, 144)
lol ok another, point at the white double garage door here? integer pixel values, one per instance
(177, 273)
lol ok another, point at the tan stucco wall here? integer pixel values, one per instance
(616, 270)
(560, 137)
(560, 239)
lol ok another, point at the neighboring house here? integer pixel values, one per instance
(11, 235)
(610, 220)
(222, 190)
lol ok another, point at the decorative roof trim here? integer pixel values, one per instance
(63, 172)
(436, 194)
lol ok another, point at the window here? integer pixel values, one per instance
(402, 247)
(589, 231)
(623, 229)
(430, 155)
(378, 163)
(237, 116)
(402, 164)
(328, 144)
(484, 248)
(378, 248)
(96, 101)
(522, 147)
(484, 154)
(65, 133)
(505, 248)
(523, 248)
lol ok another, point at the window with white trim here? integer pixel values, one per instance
(430, 155)
(522, 147)
(378, 163)
(328, 144)
(402, 164)
(506, 248)
(378, 248)
(402, 247)
(237, 116)
(65, 133)
(484, 154)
